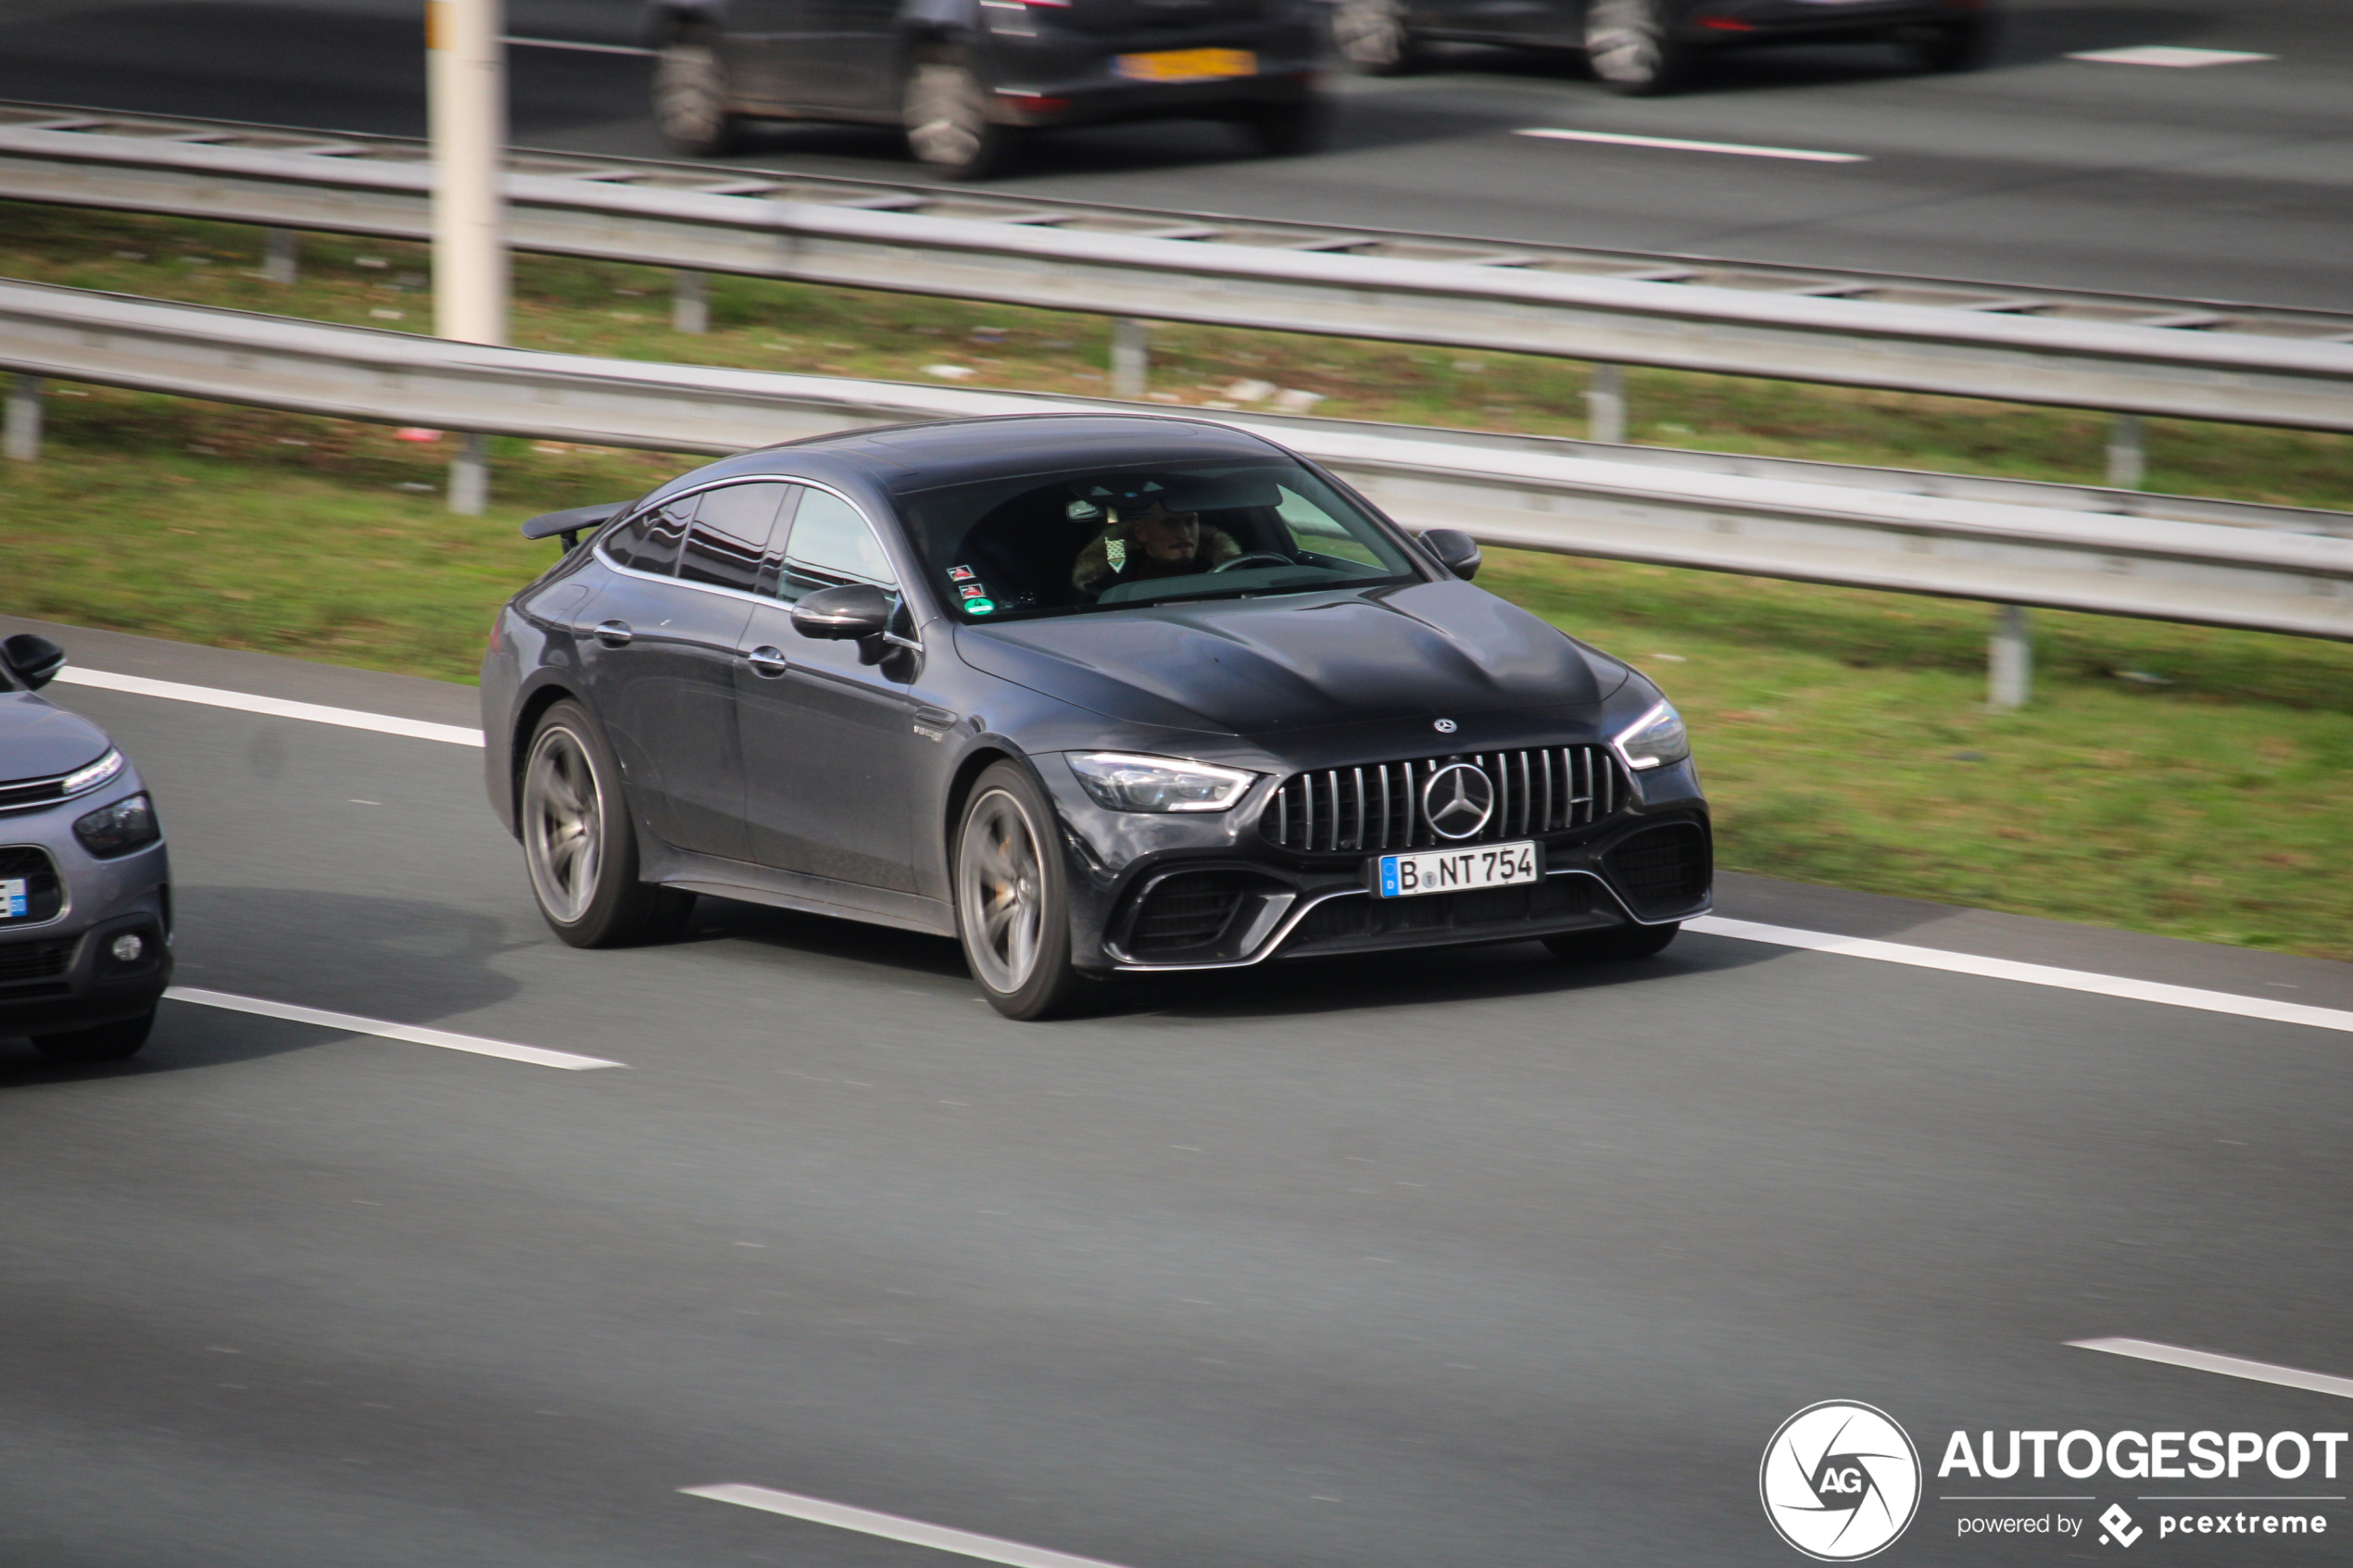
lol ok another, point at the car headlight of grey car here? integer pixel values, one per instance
(1654, 740)
(1122, 781)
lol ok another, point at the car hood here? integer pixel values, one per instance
(38, 741)
(1300, 661)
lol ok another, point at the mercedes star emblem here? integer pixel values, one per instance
(1444, 726)
(1458, 800)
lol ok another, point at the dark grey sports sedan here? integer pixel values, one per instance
(1094, 694)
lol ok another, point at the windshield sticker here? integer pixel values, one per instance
(960, 574)
(973, 591)
(980, 607)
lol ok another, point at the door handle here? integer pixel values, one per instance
(769, 662)
(614, 634)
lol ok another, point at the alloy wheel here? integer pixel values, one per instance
(562, 825)
(1000, 890)
(1370, 34)
(946, 125)
(691, 95)
(1624, 42)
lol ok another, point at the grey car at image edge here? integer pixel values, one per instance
(1097, 694)
(1645, 47)
(85, 882)
(966, 79)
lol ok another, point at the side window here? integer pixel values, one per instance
(730, 535)
(650, 540)
(829, 545)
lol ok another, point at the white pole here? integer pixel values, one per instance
(2009, 659)
(1131, 356)
(1606, 406)
(22, 443)
(466, 84)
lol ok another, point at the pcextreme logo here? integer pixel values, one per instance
(1840, 1481)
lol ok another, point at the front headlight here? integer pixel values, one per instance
(1655, 739)
(1157, 783)
(119, 828)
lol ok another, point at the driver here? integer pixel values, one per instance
(1151, 541)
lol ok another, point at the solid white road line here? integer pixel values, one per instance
(578, 48)
(279, 707)
(2229, 1366)
(1799, 155)
(2167, 55)
(890, 1528)
(351, 1024)
(2027, 973)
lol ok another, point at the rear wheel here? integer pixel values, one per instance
(1631, 47)
(1617, 944)
(104, 1042)
(1373, 36)
(1957, 45)
(691, 98)
(1284, 130)
(1012, 910)
(946, 112)
(579, 844)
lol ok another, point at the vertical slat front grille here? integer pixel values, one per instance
(1379, 807)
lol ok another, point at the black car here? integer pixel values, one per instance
(1097, 694)
(85, 880)
(966, 79)
(1650, 46)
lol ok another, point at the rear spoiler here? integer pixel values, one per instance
(571, 524)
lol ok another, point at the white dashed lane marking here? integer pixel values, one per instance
(2229, 1366)
(2169, 55)
(1671, 144)
(890, 1528)
(350, 1023)
(2027, 973)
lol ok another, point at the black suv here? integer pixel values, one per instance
(967, 78)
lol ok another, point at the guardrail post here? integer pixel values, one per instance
(2128, 465)
(280, 255)
(22, 443)
(1131, 356)
(1606, 406)
(470, 474)
(2009, 659)
(690, 303)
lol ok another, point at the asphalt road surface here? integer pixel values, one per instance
(1466, 1259)
(2231, 181)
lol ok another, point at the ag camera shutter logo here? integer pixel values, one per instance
(1840, 1481)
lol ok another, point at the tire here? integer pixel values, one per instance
(1632, 47)
(944, 105)
(579, 844)
(1955, 46)
(1372, 36)
(105, 1042)
(1285, 130)
(1013, 905)
(691, 101)
(1618, 944)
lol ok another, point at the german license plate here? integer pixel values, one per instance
(15, 904)
(1451, 871)
(1189, 65)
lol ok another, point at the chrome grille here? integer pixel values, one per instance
(1379, 805)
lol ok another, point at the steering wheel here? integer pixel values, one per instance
(1262, 557)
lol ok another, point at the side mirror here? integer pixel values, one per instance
(571, 523)
(35, 660)
(856, 610)
(1455, 550)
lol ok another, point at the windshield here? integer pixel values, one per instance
(1107, 538)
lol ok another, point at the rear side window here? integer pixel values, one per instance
(650, 540)
(830, 545)
(730, 535)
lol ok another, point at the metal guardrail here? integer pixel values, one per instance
(2262, 571)
(2113, 353)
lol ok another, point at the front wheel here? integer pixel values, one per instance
(691, 99)
(1012, 908)
(1631, 47)
(1284, 130)
(1960, 46)
(104, 1042)
(1617, 944)
(945, 108)
(578, 843)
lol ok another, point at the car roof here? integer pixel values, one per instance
(910, 457)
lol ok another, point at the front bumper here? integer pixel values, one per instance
(1732, 22)
(1167, 893)
(62, 976)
